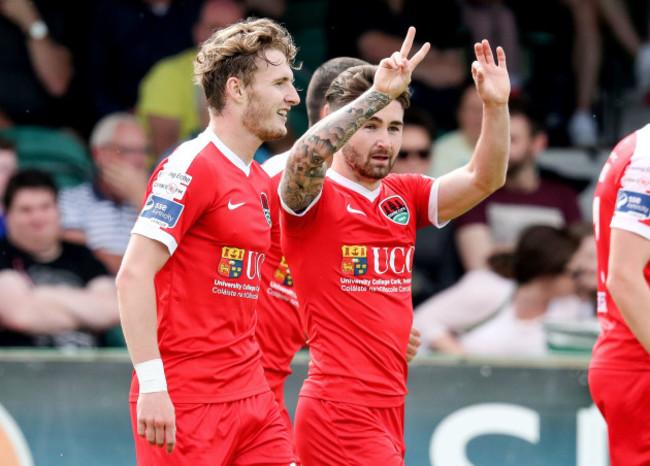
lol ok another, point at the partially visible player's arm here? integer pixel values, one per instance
(466, 186)
(629, 255)
(414, 344)
(303, 176)
(136, 292)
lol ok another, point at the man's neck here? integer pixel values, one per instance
(525, 180)
(235, 136)
(343, 169)
(43, 253)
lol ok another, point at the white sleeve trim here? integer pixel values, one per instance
(433, 205)
(148, 230)
(290, 210)
(623, 222)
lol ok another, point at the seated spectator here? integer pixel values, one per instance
(54, 293)
(436, 265)
(100, 215)
(455, 148)
(171, 107)
(8, 165)
(501, 310)
(527, 197)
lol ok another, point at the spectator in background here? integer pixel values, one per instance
(371, 30)
(527, 197)
(436, 265)
(127, 37)
(171, 107)
(8, 165)
(101, 215)
(455, 149)
(500, 310)
(35, 68)
(54, 293)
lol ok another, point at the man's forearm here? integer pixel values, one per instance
(490, 158)
(305, 171)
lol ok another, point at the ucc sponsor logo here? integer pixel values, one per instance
(358, 259)
(235, 260)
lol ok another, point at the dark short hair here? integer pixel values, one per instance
(522, 106)
(353, 82)
(541, 251)
(28, 178)
(321, 80)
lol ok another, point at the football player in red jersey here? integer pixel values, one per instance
(619, 371)
(190, 277)
(349, 234)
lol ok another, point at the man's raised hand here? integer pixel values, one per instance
(492, 79)
(394, 73)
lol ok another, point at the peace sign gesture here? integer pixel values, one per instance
(394, 73)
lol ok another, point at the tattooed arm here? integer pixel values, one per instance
(304, 174)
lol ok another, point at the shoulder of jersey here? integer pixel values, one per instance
(276, 164)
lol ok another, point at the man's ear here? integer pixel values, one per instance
(324, 111)
(540, 142)
(235, 89)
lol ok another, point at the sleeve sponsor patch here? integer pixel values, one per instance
(171, 185)
(161, 211)
(633, 203)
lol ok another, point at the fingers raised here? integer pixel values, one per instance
(408, 42)
(501, 57)
(418, 57)
(483, 52)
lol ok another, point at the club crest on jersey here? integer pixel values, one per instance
(283, 274)
(395, 209)
(354, 260)
(265, 208)
(231, 263)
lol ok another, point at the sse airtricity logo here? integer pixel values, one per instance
(633, 204)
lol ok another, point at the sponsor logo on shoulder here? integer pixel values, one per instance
(161, 211)
(633, 203)
(171, 185)
(265, 208)
(395, 209)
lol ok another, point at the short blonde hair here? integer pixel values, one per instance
(233, 51)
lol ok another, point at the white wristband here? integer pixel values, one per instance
(151, 376)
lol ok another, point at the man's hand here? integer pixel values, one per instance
(492, 80)
(157, 420)
(394, 73)
(21, 12)
(414, 344)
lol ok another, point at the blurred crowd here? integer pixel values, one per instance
(93, 94)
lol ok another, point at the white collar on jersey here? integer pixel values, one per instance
(227, 152)
(354, 186)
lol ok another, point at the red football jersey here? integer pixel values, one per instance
(212, 212)
(351, 256)
(279, 331)
(621, 200)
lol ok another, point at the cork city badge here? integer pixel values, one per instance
(395, 209)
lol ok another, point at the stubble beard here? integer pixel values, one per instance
(362, 166)
(255, 121)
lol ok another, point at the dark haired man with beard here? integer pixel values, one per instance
(527, 198)
(349, 235)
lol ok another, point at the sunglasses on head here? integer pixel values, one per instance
(405, 154)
